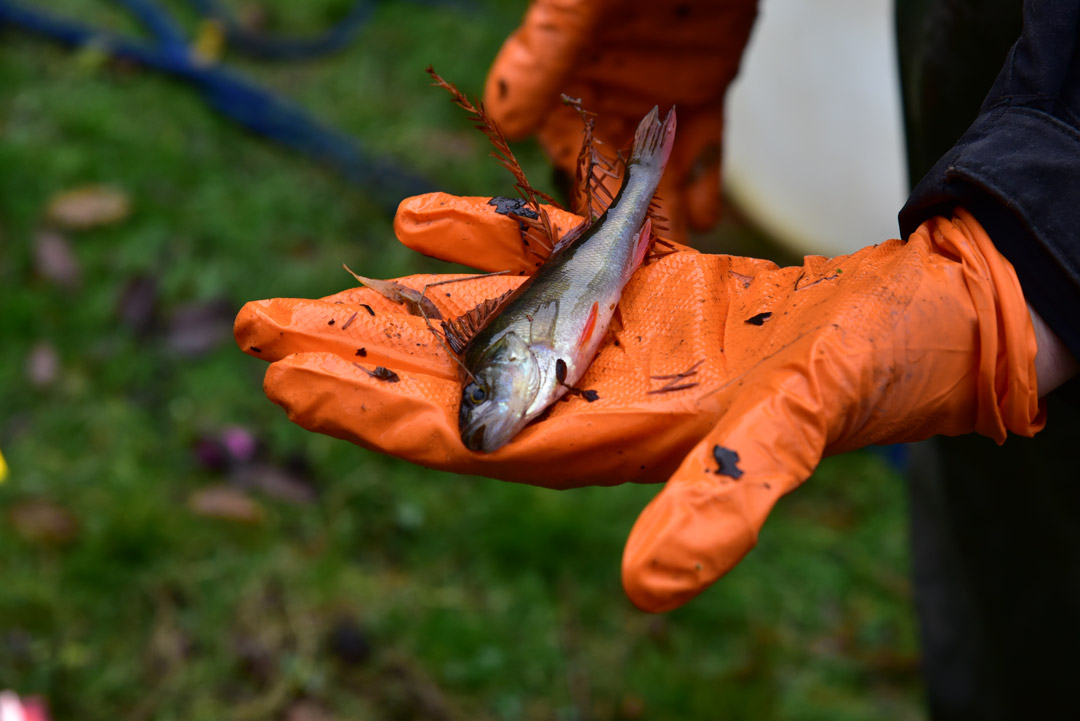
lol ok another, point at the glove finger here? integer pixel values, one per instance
(472, 232)
(326, 393)
(363, 326)
(533, 64)
(695, 166)
(280, 327)
(708, 516)
(414, 417)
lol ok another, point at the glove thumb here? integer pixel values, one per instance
(709, 514)
(532, 67)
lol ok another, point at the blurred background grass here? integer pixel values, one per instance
(172, 548)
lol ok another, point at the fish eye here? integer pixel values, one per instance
(477, 395)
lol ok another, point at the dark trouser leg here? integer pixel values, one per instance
(996, 541)
(995, 531)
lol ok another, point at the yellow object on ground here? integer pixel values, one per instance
(3, 468)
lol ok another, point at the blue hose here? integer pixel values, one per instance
(237, 98)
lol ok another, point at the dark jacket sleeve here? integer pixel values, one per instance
(1017, 168)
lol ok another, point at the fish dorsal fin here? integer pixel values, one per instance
(460, 331)
(655, 214)
(595, 174)
(545, 234)
(659, 245)
(538, 233)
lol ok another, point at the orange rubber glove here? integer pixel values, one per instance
(896, 342)
(621, 57)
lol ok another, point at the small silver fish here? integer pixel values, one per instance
(533, 346)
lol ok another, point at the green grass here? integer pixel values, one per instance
(472, 598)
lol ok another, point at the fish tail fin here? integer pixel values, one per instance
(654, 139)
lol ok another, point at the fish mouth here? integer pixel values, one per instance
(474, 441)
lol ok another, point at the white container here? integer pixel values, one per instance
(814, 148)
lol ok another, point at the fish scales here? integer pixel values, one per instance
(563, 311)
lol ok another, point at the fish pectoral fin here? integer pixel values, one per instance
(590, 325)
(542, 324)
(461, 330)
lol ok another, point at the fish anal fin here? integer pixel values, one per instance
(615, 327)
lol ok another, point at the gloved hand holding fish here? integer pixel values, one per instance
(729, 378)
(619, 58)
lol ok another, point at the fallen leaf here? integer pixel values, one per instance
(414, 301)
(252, 17)
(90, 206)
(306, 710)
(54, 259)
(42, 365)
(275, 482)
(349, 642)
(225, 503)
(631, 707)
(137, 303)
(197, 328)
(43, 522)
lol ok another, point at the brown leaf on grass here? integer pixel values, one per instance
(42, 365)
(349, 642)
(43, 523)
(253, 17)
(195, 329)
(90, 206)
(137, 303)
(54, 260)
(276, 482)
(306, 710)
(224, 503)
(631, 707)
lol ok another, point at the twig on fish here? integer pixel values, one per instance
(506, 158)
(591, 169)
